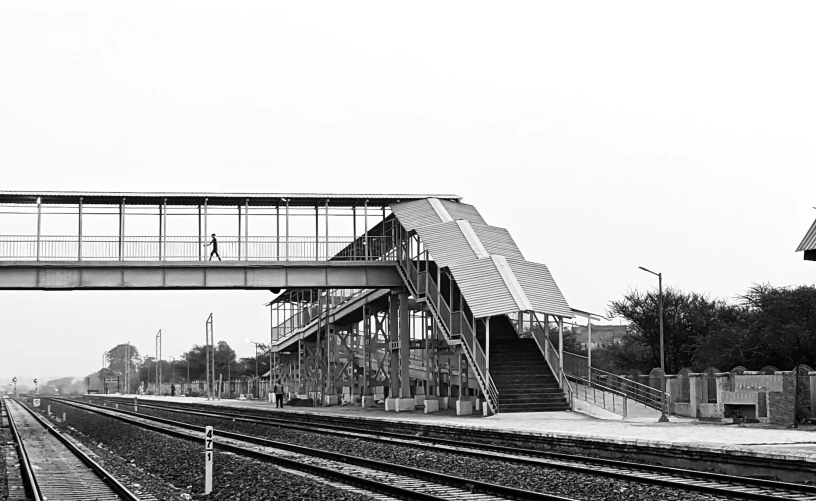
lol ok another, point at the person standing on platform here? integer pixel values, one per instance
(278, 396)
(172, 390)
(214, 243)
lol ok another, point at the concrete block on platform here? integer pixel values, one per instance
(405, 404)
(390, 405)
(331, 399)
(477, 405)
(420, 399)
(431, 405)
(464, 407)
(367, 401)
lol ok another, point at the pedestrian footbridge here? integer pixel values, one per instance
(412, 298)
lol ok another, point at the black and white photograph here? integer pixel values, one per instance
(425, 251)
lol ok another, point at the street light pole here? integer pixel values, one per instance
(105, 372)
(158, 362)
(663, 418)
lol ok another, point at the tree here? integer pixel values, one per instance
(687, 319)
(780, 325)
(117, 364)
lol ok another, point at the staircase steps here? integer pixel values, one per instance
(521, 374)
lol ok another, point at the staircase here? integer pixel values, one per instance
(521, 374)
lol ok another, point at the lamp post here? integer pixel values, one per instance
(663, 418)
(14, 380)
(104, 372)
(36, 387)
(257, 378)
(158, 362)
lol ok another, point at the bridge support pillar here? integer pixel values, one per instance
(399, 330)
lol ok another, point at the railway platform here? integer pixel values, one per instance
(681, 436)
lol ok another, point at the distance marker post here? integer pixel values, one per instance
(208, 459)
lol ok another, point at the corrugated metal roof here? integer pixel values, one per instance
(497, 241)
(446, 242)
(809, 242)
(540, 287)
(483, 287)
(415, 214)
(459, 210)
(175, 198)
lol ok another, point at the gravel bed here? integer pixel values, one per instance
(179, 464)
(537, 478)
(7, 441)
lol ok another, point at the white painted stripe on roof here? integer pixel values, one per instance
(512, 283)
(440, 209)
(473, 239)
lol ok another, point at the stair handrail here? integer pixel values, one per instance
(639, 392)
(436, 303)
(478, 357)
(569, 390)
(547, 349)
(587, 385)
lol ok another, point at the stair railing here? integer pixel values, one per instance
(578, 366)
(599, 395)
(455, 326)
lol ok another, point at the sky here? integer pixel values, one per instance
(603, 135)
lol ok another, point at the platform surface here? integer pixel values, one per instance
(681, 433)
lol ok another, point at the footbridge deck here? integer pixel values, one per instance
(373, 290)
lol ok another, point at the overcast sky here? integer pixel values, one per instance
(604, 136)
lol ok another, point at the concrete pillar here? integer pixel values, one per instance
(694, 393)
(812, 376)
(393, 342)
(404, 346)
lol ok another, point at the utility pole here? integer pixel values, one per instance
(663, 418)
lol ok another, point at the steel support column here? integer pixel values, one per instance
(79, 232)
(200, 242)
(239, 233)
(122, 230)
(393, 345)
(39, 225)
(404, 346)
(561, 350)
(246, 232)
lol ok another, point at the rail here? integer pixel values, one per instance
(26, 468)
(54, 478)
(578, 366)
(230, 248)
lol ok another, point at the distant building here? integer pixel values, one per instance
(601, 334)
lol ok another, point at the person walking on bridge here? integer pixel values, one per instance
(214, 243)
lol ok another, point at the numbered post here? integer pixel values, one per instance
(208, 459)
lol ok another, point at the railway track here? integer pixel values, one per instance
(53, 468)
(377, 477)
(704, 482)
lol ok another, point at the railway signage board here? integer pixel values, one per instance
(35, 402)
(208, 459)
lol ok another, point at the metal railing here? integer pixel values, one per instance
(577, 366)
(598, 395)
(528, 324)
(230, 248)
(453, 324)
(307, 316)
